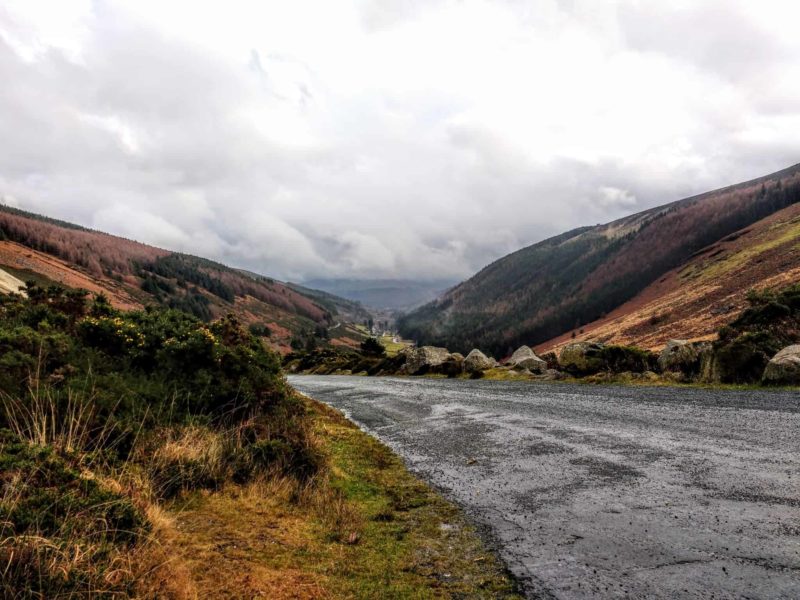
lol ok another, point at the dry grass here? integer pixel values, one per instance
(44, 421)
(362, 527)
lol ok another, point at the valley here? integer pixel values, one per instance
(566, 283)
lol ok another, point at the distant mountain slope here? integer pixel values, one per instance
(695, 299)
(349, 310)
(133, 275)
(396, 294)
(562, 283)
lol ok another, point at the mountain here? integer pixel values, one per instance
(397, 294)
(565, 282)
(349, 311)
(133, 275)
(695, 299)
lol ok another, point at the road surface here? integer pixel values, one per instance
(604, 492)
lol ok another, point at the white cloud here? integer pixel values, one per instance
(385, 138)
(133, 223)
(614, 197)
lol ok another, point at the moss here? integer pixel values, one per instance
(619, 359)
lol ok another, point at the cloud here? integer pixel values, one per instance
(385, 139)
(129, 222)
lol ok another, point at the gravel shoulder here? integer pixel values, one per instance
(604, 492)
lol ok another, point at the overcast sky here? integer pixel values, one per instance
(386, 138)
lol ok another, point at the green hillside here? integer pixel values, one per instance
(546, 289)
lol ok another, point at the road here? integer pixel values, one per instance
(604, 492)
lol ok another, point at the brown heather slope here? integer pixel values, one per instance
(695, 299)
(133, 275)
(562, 283)
(26, 264)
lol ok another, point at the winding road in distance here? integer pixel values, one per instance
(604, 492)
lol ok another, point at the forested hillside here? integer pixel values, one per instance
(695, 299)
(562, 283)
(132, 275)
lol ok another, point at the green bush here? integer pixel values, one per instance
(628, 358)
(259, 330)
(58, 528)
(141, 368)
(89, 389)
(372, 347)
(745, 346)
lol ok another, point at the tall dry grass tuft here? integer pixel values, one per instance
(71, 525)
(66, 420)
(340, 517)
(182, 458)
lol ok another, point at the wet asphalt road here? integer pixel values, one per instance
(604, 492)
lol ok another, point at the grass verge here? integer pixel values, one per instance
(367, 528)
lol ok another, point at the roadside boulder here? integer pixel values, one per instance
(525, 358)
(784, 367)
(582, 358)
(453, 366)
(421, 360)
(477, 362)
(552, 375)
(709, 366)
(682, 356)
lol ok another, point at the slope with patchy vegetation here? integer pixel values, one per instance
(694, 300)
(150, 454)
(107, 414)
(132, 275)
(570, 280)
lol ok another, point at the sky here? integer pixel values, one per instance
(385, 139)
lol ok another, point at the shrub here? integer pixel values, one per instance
(628, 358)
(744, 358)
(60, 529)
(106, 406)
(372, 347)
(745, 346)
(259, 330)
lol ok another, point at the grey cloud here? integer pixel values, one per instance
(263, 163)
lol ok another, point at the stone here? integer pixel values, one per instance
(525, 358)
(784, 367)
(421, 360)
(477, 361)
(582, 358)
(681, 356)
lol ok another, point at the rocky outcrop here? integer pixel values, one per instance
(582, 358)
(421, 360)
(477, 362)
(682, 356)
(784, 367)
(525, 358)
